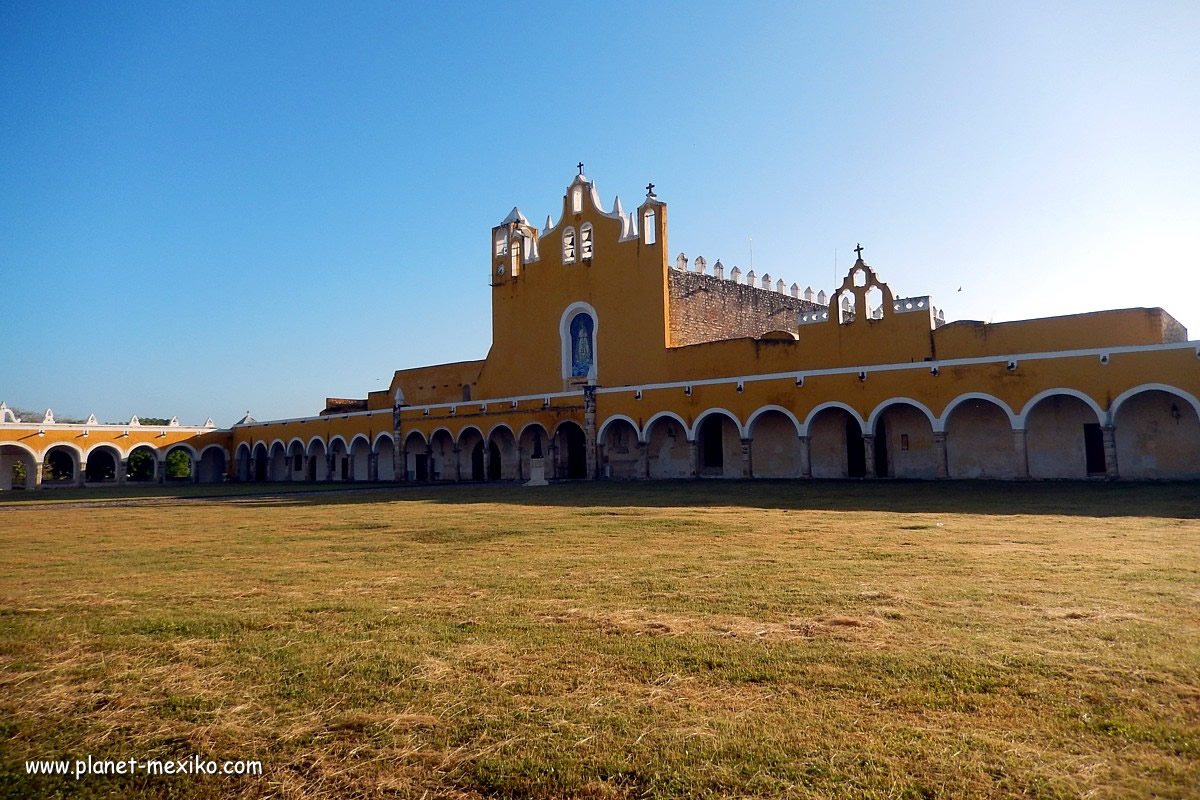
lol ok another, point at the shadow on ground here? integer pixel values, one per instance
(1070, 498)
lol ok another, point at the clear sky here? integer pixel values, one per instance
(210, 208)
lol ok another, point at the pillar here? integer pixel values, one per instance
(253, 466)
(196, 469)
(372, 466)
(457, 464)
(644, 459)
(1109, 433)
(694, 457)
(1022, 453)
(402, 462)
(805, 458)
(81, 475)
(589, 431)
(869, 454)
(122, 470)
(552, 453)
(520, 462)
(399, 450)
(305, 466)
(160, 470)
(330, 461)
(939, 441)
(38, 471)
(747, 469)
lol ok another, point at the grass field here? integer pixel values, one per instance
(808, 640)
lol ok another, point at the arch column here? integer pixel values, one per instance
(1109, 432)
(520, 461)
(330, 460)
(694, 457)
(122, 471)
(1019, 444)
(160, 470)
(428, 462)
(747, 469)
(402, 458)
(552, 449)
(372, 466)
(943, 465)
(869, 454)
(81, 477)
(253, 466)
(305, 466)
(38, 471)
(457, 464)
(805, 457)
(643, 467)
(589, 432)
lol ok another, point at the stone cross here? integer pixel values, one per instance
(649, 190)
(580, 165)
(859, 250)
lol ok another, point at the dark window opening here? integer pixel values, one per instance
(856, 456)
(712, 450)
(1093, 448)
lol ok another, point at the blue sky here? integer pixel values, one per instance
(197, 201)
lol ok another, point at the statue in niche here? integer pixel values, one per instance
(581, 346)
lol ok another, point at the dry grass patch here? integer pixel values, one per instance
(673, 640)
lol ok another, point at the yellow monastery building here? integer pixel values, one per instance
(612, 360)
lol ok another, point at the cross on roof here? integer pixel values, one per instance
(580, 165)
(859, 250)
(649, 190)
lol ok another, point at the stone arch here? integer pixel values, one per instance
(774, 443)
(530, 440)
(668, 446)
(262, 462)
(339, 455)
(416, 458)
(277, 467)
(1156, 429)
(836, 449)
(443, 465)
(1120, 399)
(244, 452)
(17, 460)
(142, 463)
(615, 418)
(758, 412)
(60, 464)
(359, 454)
(210, 466)
(1063, 437)
(687, 431)
(1062, 391)
(718, 434)
(620, 449)
(904, 443)
(571, 445)
(501, 453)
(808, 420)
(940, 425)
(295, 460)
(873, 417)
(385, 456)
(741, 430)
(980, 441)
(318, 459)
(472, 454)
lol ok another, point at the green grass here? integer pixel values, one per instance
(711, 639)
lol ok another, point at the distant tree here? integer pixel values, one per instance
(18, 475)
(58, 467)
(154, 421)
(179, 465)
(141, 465)
(25, 415)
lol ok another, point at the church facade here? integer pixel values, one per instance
(612, 360)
